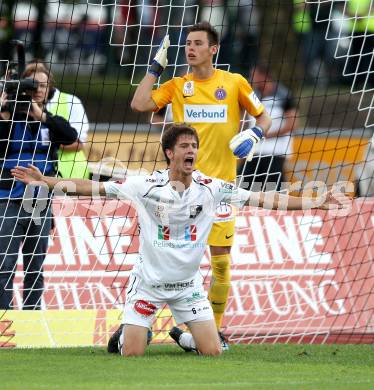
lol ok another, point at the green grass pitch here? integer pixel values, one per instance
(167, 367)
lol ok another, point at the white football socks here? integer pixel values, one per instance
(186, 340)
(120, 343)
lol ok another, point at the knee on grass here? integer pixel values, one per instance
(213, 350)
(132, 351)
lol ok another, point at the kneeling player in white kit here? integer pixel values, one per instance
(176, 209)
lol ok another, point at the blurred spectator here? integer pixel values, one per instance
(4, 45)
(30, 135)
(137, 27)
(360, 56)
(183, 13)
(126, 32)
(360, 68)
(7, 21)
(267, 167)
(238, 23)
(86, 39)
(310, 23)
(66, 33)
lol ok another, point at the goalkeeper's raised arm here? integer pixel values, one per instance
(142, 100)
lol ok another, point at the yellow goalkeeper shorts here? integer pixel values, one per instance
(223, 229)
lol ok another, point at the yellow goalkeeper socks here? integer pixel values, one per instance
(219, 286)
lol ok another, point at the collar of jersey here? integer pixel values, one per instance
(174, 191)
(205, 80)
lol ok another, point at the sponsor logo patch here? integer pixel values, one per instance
(190, 233)
(205, 113)
(223, 211)
(220, 93)
(188, 89)
(196, 296)
(178, 286)
(227, 187)
(163, 232)
(203, 180)
(195, 210)
(145, 308)
(160, 211)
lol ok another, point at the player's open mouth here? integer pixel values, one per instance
(188, 162)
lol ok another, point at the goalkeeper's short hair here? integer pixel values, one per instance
(172, 133)
(213, 36)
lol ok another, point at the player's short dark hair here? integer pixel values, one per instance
(172, 133)
(213, 36)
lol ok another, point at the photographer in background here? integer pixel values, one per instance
(72, 160)
(29, 135)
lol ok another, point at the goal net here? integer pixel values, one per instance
(295, 276)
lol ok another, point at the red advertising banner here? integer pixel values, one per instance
(293, 273)
(303, 275)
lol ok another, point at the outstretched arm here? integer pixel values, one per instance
(331, 200)
(32, 175)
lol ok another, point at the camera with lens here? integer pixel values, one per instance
(18, 90)
(18, 94)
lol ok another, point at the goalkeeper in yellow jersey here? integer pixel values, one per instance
(212, 101)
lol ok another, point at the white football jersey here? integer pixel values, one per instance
(174, 224)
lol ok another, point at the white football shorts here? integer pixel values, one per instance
(187, 301)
